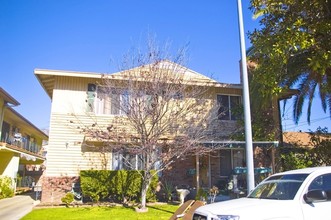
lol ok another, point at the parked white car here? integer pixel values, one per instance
(303, 194)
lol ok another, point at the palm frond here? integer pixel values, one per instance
(311, 92)
(297, 109)
(323, 97)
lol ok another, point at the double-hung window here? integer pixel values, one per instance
(111, 101)
(126, 161)
(132, 161)
(228, 107)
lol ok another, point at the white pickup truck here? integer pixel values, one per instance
(303, 194)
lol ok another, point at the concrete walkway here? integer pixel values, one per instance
(17, 207)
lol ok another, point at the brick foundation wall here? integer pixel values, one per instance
(178, 174)
(54, 188)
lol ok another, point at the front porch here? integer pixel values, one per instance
(223, 167)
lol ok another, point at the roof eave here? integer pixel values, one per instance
(42, 134)
(8, 98)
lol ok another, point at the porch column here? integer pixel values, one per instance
(197, 165)
(209, 171)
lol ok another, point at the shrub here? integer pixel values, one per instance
(68, 199)
(122, 185)
(6, 187)
(168, 188)
(201, 195)
(125, 185)
(95, 184)
(295, 158)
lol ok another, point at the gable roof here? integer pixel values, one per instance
(25, 123)
(47, 77)
(188, 74)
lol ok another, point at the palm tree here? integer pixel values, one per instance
(292, 50)
(308, 82)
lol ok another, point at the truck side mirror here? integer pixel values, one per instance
(315, 195)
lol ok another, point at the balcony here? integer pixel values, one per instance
(23, 143)
(28, 151)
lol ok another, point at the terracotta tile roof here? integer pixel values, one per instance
(298, 138)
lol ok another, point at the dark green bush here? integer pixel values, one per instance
(95, 184)
(121, 185)
(126, 185)
(6, 187)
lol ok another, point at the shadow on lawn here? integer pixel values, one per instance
(160, 209)
(103, 208)
(128, 207)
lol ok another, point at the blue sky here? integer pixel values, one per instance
(91, 36)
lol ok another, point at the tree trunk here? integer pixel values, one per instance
(145, 185)
(143, 196)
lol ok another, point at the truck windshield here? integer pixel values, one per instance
(279, 187)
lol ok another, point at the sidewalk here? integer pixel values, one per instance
(17, 207)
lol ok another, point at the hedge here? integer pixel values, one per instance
(118, 185)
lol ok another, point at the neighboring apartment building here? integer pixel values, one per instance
(71, 93)
(20, 145)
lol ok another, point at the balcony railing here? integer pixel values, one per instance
(23, 143)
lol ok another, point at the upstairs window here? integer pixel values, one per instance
(111, 101)
(228, 107)
(91, 90)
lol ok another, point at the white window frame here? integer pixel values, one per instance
(105, 106)
(228, 109)
(119, 159)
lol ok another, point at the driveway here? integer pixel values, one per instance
(17, 207)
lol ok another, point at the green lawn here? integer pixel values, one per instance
(158, 212)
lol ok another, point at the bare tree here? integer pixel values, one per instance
(162, 111)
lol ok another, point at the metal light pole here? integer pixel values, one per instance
(247, 111)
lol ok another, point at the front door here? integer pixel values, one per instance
(225, 163)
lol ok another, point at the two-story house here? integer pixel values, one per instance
(21, 145)
(72, 93)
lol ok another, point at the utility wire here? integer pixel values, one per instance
(301, 124)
